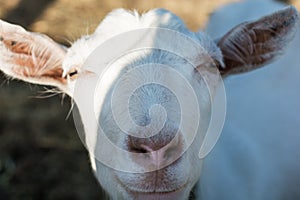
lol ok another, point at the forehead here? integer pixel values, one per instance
(121, 21)
(174, 54)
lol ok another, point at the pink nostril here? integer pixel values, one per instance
(156, 157)
(158, 153)
(135, 147)
(146, 145)
(146, 148)
(138, 150)
(138, 145)
(142, 148)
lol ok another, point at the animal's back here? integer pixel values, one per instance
(257, 156)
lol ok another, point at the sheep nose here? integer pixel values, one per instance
(156, 151)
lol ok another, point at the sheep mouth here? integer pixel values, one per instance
(174, 194)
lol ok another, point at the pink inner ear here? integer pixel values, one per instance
(35, 56)
(17, 47)
(251, 45)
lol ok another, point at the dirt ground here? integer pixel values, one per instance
(41, 155)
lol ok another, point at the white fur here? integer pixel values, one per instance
(244, 164)
(120, 21)
(257, 155)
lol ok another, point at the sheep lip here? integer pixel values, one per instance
(173, 195)
(177, 193)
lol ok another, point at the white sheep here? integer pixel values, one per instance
(239, 168)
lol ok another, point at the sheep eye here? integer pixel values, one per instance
(73, 73)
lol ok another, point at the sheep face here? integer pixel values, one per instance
(153, 104)
(144, 113)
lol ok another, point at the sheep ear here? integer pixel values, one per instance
(251, 45)
(31, 57)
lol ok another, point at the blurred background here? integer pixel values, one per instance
(41, 155)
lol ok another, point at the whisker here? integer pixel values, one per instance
(71, 109)
(47, 93)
